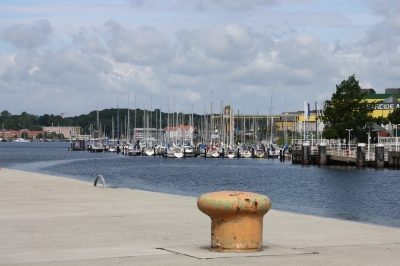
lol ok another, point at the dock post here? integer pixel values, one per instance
(305, 152)
(379, 155)
(322, 153)
(360, 154)
(394, 160)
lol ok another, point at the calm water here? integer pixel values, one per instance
(365, 195)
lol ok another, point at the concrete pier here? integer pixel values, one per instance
(49, 220)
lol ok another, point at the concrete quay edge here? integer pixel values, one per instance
(50, 220)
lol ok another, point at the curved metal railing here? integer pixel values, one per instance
(103, 181)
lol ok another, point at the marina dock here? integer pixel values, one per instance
(377, 155)
(50, 220)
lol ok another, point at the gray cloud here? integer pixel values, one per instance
(384, 8)
(6, 73)
(143, 45)
(26, 37)
(88, 42)
(235, 5)
(383, 39)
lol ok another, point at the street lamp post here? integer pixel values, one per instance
(349, 138)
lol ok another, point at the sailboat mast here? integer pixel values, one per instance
(168, 121)
(117, 122)
(129, 128)
(160, 122)
(135, 119)
(112, 127)
(272, 119)
(244, 125)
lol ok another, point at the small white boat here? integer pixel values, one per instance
(22, 140)
(149, 152)
(178, 153)
(188, 150)
(112, 148)
(259, 153)
(245, 154)
(212, 153)
(98, 147)
(174, 153)
(230, 155)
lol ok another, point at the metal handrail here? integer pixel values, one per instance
(102, 180)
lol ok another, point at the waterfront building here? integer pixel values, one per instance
(383, 103)
(11, 134)
(66, 131)
(180, 134)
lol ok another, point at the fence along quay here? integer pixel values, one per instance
(385, 153)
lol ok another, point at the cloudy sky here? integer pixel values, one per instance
(74, 56)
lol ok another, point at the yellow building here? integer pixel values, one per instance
(383, 103)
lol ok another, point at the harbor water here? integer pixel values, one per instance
(364, 195)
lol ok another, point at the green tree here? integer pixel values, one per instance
(5, 113)
(24, 135)
(44, 120)
(26, 120)
(10, 124)
(347, 109)
(35, 128)
(394, 117)
(330, 133)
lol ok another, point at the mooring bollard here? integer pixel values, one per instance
(236, 219)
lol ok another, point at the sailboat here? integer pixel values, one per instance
(149, 151)
(112, 147)
(272, 150)
(97, 146)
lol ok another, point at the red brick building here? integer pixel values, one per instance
(10, 134)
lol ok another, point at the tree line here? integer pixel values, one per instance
(106, 119)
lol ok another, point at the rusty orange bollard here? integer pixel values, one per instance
(236, 219)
